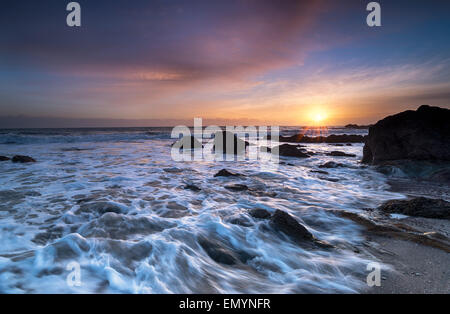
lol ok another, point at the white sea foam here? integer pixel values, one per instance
(118, 207)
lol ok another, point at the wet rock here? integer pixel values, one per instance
(259, 213)
(237, 187)
(226, 173)
(100, 208)
(423, 134)
(287, 224)
(420, 207)
(329, 179)
(128, 252)
(240, 221)
(216, 252)
(289, 151)
(3, 158)
(22, 159)
(320, 172)
(357, 127)
(228, 143)
(442, 175)
(117, 226)
(192, 187)
(70, 247)
(187, 142)
(340, 154)
(333, 138)
(331, 164)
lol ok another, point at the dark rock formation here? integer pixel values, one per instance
(228, 143)
(287, 224)
(217, 253)
(192, 187)
(421, 207)
(237, 187)
(289, 151)
(411, 135)
(331, 139)
(331, 164)
(320, 172)
(260, 213)
(226, 173)
(22, 159)
(340, 154)
(3, 158)
(187, 142)
(357, 127)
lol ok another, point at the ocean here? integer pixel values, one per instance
(112, 202)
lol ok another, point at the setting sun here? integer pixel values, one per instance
(318, 116)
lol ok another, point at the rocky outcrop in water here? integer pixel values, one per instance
(423, 134)
(226, 173)
(290, 151)
(22, 159)
(420, 207)
(340, 154)
(259, 213)
(3, 158)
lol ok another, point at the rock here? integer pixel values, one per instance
(289, 151)
(331, 164)
(226, 173)
(3, 158)
(100, 208)
(237, 187)
(420, 207)
(217, 253)
(229, 143)
(333, 138)
(259, 213)
(188, 142)
(22, 159)
(336, 153)
(320, 172)
(287, 224)
(423, 134)
(357, 127)
(192, 187)
(442, 175)
(329, 179)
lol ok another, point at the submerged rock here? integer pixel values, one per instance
(290, 151)
(188, 142)
(336, 153)
(3, 158)
(100, 208)
(192, 187)
(331, 164)
(259, 213)
(22, 159)
(237, 187)
(423, 134)
(420, 207)
(216, 252)
(226, 173)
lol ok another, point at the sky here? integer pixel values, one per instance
(277, 62)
